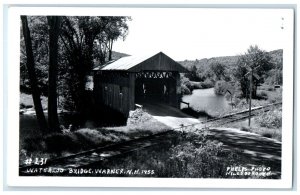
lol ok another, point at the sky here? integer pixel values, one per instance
(203, 33)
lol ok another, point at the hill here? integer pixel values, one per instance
(229, 61)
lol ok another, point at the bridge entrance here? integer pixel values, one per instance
(155, 86)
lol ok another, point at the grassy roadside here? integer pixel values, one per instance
(53, 145)
(267, 124)
(190, 155)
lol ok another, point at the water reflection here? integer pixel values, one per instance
(206, 100)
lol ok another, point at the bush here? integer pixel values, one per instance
(185, 90)
(186, 86)
(262, 95)
(220, 87)
(247, 129)
(240, 103)
(207, 84)
(196, 85)
(197, 156)
(271, 119)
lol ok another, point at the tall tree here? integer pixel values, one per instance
(84, 39)
(254, 58)
(54, 29)
(40, 46)
(32, 76)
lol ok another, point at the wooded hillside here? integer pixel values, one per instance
(229, 60)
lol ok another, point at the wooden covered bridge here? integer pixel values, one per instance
(132, 80)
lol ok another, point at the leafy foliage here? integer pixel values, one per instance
(40, 37)
(83, 42)
(254, 59)
(208, 69)
(221, 87)
(271, 119)
(219, 71)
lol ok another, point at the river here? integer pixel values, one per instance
(205, 100)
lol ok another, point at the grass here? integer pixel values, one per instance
(27, 102)
(269, 132)
(53, 145)
(265, 95)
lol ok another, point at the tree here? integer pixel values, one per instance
(192, 74)
(112, 28)
(30, 65)
(85, 39)
(218, 69)
(65, 72)
(254, 58)
(38, 28)
(54, 28)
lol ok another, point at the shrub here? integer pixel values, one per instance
(186, 86)
(198, 156)
(220, 88)
(247, 129)
(196, 85)
(185, 90)
(207, 84)
(241, 103)
(262, 95)
(271, 119)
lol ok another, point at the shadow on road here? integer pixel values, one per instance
(257, 148)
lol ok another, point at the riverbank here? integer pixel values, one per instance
(205, 104)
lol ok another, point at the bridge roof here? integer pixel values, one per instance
(156, 62)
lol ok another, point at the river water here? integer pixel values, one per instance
(205, 100)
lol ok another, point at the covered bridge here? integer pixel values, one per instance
(132, 80)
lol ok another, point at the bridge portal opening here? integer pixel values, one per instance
(155, 86)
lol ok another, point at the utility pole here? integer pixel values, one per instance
(250, 96)
(250, 91)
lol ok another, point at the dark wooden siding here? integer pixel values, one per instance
(115, 91)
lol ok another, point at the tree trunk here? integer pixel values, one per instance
(110, 50)
(54, 24)
(32, 77)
